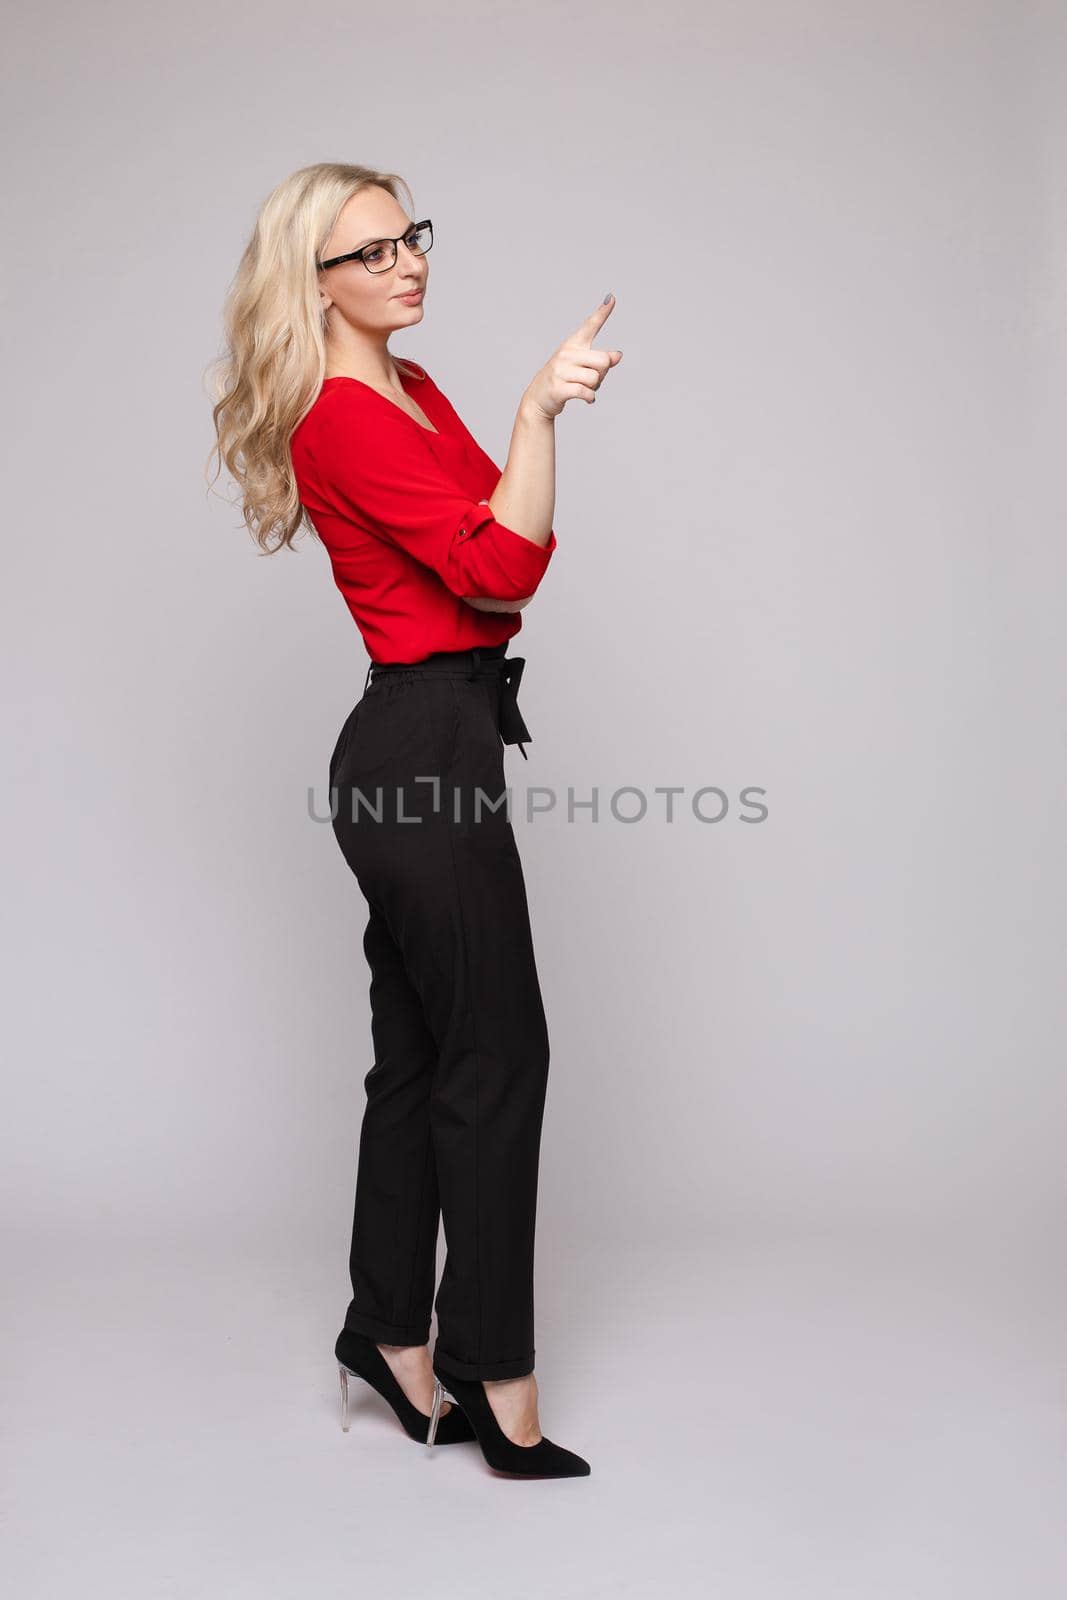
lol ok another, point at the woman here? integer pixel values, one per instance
(436, 552)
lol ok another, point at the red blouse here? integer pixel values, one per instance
(402, 513)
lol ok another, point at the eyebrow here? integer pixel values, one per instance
(375, 237)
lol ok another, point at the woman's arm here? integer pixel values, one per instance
(525, 497)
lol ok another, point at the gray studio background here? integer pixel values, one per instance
(800, 1229)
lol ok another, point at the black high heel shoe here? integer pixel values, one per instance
(359, 1357)
(541, 1460)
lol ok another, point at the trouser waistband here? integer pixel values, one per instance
(481, 661)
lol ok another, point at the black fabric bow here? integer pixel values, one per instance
(513, 729)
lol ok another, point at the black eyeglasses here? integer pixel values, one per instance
(380, 254)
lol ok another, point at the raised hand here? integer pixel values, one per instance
(576, 370)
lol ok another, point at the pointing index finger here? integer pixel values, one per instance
(587, 331)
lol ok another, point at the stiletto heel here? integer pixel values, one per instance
(344, 1396)
(541, 1460)
(440, 1395)
(358, 1356)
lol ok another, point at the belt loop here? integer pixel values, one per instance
(366, 680)
(473, 673)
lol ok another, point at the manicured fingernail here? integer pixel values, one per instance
(607, 297)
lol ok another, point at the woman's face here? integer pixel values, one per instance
(369, 301)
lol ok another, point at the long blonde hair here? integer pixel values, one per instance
(272, 369)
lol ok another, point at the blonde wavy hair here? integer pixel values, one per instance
(273, 366)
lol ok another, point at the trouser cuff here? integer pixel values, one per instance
(518, 1367)
(386, 1332)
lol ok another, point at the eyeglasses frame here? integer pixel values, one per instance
(357, 255)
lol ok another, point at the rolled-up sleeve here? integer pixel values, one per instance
(380, 473)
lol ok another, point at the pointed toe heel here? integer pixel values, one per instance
(544, 1459)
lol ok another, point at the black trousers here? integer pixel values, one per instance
(456, 1094)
